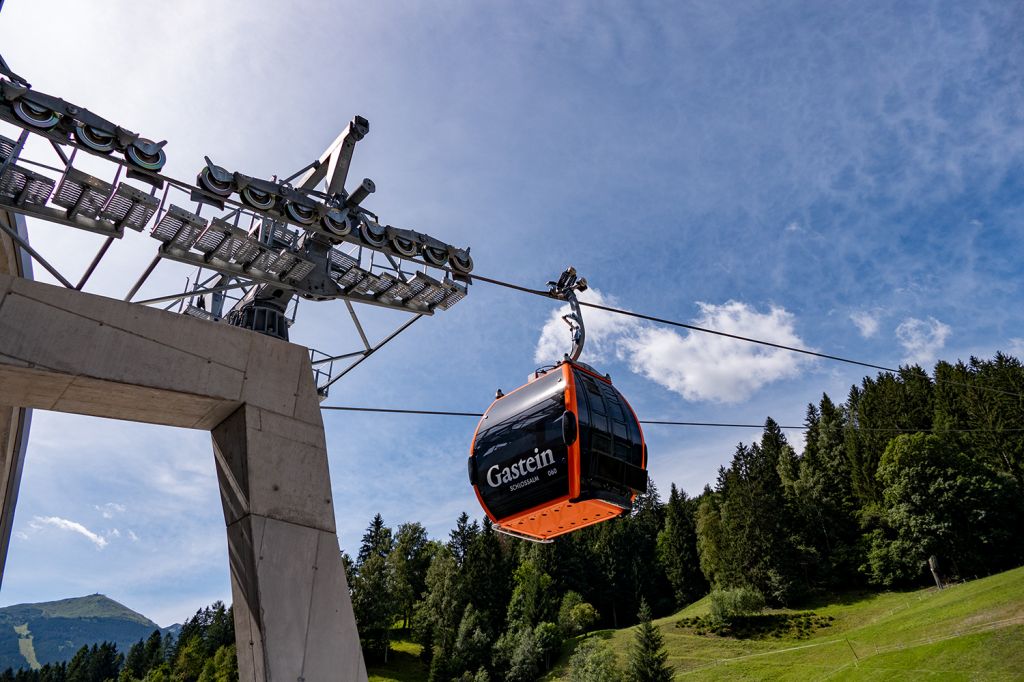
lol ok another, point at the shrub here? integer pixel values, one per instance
(593, 661)
(726, 604)
(575, 616)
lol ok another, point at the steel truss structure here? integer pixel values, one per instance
(258, 246)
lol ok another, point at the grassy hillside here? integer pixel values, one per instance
(404, 664)
(973, 631)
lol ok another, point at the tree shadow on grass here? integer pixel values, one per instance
(761, 626)
(822, 599)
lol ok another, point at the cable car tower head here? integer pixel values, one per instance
(258, 246)
(563, 452)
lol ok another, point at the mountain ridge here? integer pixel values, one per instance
(94, 605)
(33, 634)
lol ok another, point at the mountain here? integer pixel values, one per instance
(48, 632)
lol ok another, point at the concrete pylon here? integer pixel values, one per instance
(68, 351)
(14, 421)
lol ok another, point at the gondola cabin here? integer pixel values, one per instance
(563, 452)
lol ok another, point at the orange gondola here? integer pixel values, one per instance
(563, 452)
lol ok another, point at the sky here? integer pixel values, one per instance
(845, 177)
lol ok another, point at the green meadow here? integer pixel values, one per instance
(969, 631)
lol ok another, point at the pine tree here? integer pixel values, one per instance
(711, 543)
(223, 667)
(532, 600)
(78, 666)
(221, 630)
(648, 659)
(646, 576)
(410, 558)
(983, 395)
(377, 541)
(472, 643)
(438, 615)
(822, 501)
(486, 578)
(191, 629)
(157, 647)
(107, 662)
(677, 549)
(51, 672)
(756, 548)
(519, 654)
(461, 537)
(135, 665)
(877, 410)
(190, 659)
(374, 605)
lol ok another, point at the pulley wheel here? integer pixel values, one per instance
(213, 185)
(94, 138)
(261, 201)
(404, 247)
(371, 236)
(144, 160)
(303, 215)
(435, 256)
(337, 223)
(461, 262)
(35, 115)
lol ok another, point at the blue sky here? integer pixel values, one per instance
(842, 176)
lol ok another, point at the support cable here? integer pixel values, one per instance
(654, 422)
(746, 339)
(674, 323)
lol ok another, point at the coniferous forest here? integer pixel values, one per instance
(910, 479)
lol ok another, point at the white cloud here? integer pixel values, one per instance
(74, 527)
(702, 366)
(1016, 348)
(132, 536)
(21, 535)
(922, 339)
(698, 366)
(109, 509)
(866, 321)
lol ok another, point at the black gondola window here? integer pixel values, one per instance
(520, 458)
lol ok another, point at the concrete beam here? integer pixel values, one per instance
(73, 352)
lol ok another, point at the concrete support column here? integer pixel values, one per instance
(293, 614)
(14, 421)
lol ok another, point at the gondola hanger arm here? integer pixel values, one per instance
(565, 290)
